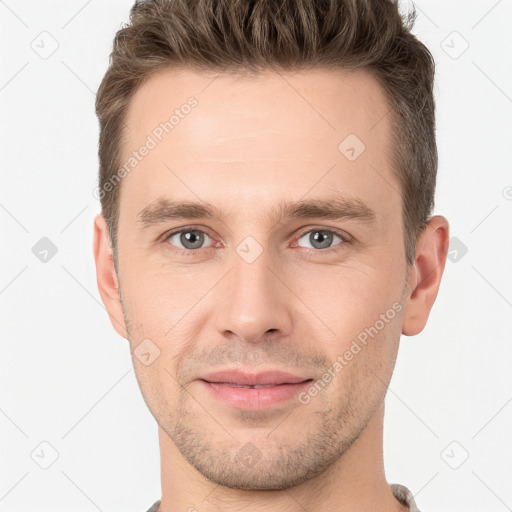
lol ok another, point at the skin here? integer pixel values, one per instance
(249, 145)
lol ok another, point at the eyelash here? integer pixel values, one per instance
(322, 252)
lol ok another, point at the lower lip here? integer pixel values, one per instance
(255, 398)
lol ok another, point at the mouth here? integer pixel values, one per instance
(239, 378)
(263, 390)
(248, 386)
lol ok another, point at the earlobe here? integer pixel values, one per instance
(425, 275)
(106, 276)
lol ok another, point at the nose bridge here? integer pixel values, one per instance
(253, 300)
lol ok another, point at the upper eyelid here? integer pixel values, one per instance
(167, 234)
(345, 236)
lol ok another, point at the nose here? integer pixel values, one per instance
(253, 302)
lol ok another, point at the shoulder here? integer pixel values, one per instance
(155, 507)
(405, 496)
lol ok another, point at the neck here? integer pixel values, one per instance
(356, 481)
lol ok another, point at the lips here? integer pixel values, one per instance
(254, 391)
(241, 379)
(256, 386)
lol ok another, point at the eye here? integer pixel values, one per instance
(190, 239)
(320, 239)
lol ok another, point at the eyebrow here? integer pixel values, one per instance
(163, 209)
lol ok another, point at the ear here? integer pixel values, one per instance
(425, 274)
(106, 275)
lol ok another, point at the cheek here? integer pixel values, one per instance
(166, 307)
(364, 353)
(157, 299)
(348, 300)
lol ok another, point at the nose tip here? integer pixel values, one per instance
(249, 329)
(252, 304)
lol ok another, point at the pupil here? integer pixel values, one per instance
(192, 239)
(322, 241)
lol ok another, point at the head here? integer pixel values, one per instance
(305, 137)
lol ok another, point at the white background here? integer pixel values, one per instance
(66, 377)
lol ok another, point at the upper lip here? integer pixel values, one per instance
(252, 379)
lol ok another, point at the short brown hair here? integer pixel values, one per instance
(246, 36)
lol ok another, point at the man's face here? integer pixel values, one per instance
(209, 301)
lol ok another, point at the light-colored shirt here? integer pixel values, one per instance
(400, 492)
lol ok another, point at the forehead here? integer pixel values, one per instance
(321, 105)
(276, 133)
